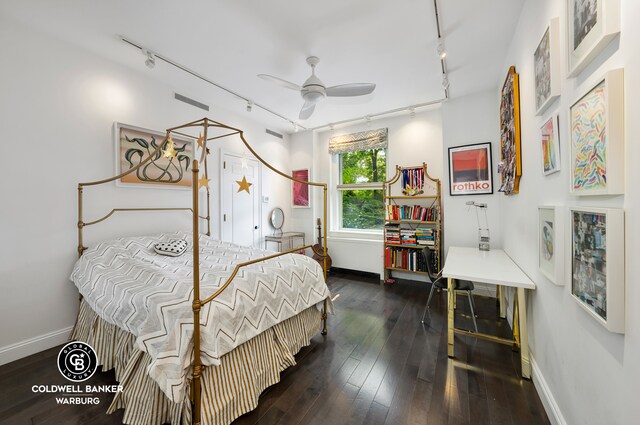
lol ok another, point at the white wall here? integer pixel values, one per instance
(586, 374)
(411, 142)
(469, 120)
(57, 108)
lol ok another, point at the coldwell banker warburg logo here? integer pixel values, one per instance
(77, 361)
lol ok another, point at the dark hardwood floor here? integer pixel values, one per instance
(378, 365)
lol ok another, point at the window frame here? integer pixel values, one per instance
(337, 217)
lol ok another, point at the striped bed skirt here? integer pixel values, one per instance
(228, 390)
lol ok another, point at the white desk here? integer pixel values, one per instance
(494, 267)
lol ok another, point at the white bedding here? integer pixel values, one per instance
(151, 295)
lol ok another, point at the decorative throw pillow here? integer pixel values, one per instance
(173, 248)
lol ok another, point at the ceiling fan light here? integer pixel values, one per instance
(313, 96)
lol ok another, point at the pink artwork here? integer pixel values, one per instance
(300, 193)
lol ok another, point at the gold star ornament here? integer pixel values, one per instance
(200, 141)
(203, 182)
(169, 151)
(244, 184)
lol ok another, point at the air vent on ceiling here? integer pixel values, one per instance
(274, 134)
(190, 101)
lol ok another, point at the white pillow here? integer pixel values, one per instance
(173, 248)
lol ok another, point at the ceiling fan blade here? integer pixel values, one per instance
(355, 89)
(307, 110)
(280, 82)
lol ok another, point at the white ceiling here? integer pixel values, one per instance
(392, 44)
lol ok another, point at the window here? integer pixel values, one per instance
(361, 174)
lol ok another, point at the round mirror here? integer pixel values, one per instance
(277, 218)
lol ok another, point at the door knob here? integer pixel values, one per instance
(255, 227)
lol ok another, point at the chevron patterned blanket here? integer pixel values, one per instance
(150, 295)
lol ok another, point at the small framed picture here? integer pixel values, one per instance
(592, 24)
(550, 243)
(597, 264)
(547, 67)
(470, 171)
(550, 145)
(134, 144)
(300, 191)
(597, 138)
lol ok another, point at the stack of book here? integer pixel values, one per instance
(415, 212)
(408, 237)
(426, 236)
(392, 233)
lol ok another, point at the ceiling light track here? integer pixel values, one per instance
(369, 117)
(155, 55)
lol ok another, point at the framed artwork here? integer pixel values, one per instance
(546, 60)
(510, 167)
(134, 144)
(300, 192)
(550, 243)
(597, 264)
(470, 171)
(597, 138)
(550, 144)
(591, 25)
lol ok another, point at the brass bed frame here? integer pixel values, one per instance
(205, 124)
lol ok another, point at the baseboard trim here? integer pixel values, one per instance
(549, 402)
(34, 345)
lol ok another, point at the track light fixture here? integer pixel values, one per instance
(249, 105)
(412, 112)
(295, 127)
(442, 53)
(151, 58)
(445, 82)
(368, 120)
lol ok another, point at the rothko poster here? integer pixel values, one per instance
(470, 170)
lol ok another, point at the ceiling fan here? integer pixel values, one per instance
(313, 90)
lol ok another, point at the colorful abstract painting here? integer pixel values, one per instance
(589, 141)
(170, 167)
(550, 146)
(300, 195)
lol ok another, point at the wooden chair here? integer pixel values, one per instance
(437, 281)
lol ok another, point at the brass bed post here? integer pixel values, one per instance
(80, 222)
(197, 367)
(324, 259)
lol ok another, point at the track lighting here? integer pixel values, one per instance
(442, 53)
(295, 127)
(249, 105)
(412, 112)
(445, 82)
(151, 59)
(368, 120)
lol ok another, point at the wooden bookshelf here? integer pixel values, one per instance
(400, 205)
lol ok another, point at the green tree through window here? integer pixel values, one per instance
(362, 208)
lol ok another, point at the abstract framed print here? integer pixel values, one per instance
(171, 171)
(510, 166)
(470, 171)
(591, 25)
(550, 144)
(546, 61)
(550, 243)
(300, 192)
(597, 138)
(597, 264)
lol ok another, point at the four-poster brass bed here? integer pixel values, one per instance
(206, 131)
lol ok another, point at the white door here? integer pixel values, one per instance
(240, 210)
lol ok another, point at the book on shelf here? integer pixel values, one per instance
(412, 212)
(420, 236)
(402, 258)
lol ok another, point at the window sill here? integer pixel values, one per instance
(351, 235)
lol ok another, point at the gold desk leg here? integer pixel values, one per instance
(502, 302)
(524, 337)
(451, 298)
(515, 323)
